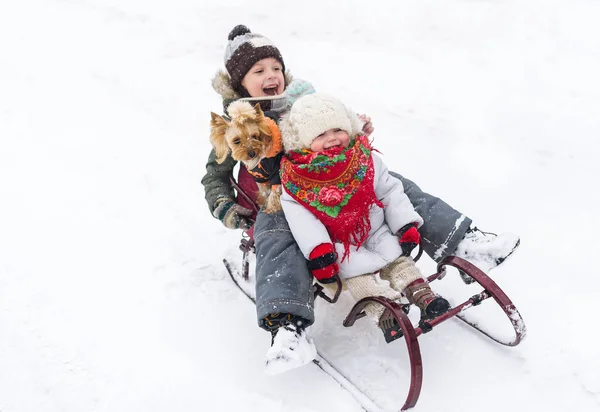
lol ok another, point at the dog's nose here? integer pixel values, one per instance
(251, 154)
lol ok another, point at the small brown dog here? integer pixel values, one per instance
(252, 138)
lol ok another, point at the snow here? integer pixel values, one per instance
(113, 296)
(289, 350)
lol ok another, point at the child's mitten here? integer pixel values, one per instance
(322, 263)
(409, 238)
(232, 215)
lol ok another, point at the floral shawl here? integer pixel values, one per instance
(337, 186)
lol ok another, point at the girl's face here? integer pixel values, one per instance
(265, 78)
(330, 138)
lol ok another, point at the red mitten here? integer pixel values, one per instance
(409, 238)
(323, 263)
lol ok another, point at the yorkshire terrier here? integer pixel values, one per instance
(255, 140)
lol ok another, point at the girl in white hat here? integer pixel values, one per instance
(349, 217)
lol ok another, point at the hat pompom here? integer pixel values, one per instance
(238, 30)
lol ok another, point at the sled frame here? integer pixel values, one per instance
(411, 333)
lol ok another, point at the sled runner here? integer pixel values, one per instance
(399, 312)
(411, 333)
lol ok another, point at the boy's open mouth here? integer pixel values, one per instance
(270, 90)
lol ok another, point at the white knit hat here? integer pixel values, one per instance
(314, 114)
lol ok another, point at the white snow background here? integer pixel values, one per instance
(113, 296)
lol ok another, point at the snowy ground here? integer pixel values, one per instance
(112, 292)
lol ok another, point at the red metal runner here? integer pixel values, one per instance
(491, 289)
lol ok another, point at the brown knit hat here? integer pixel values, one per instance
(243, 50)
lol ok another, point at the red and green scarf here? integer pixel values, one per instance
(337, 186)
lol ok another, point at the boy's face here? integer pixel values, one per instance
(265, 78)
(331, 138)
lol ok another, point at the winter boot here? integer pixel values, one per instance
(273, 322)
(390, 327)
(485, 250)
(289, 346)
(420, 294)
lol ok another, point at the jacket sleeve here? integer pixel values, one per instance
(307, 229)
(398, 209)
(216, 180)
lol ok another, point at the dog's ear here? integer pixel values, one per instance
(260, 121)
(259, 113)
(218, 127)
(217, 122)
(264, 128)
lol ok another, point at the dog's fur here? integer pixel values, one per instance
(249, 139)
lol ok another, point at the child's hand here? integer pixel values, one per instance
(323, 263)
(409, 238)
(368, 125)
(232, 215)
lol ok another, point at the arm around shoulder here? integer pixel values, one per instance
(216, 180)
